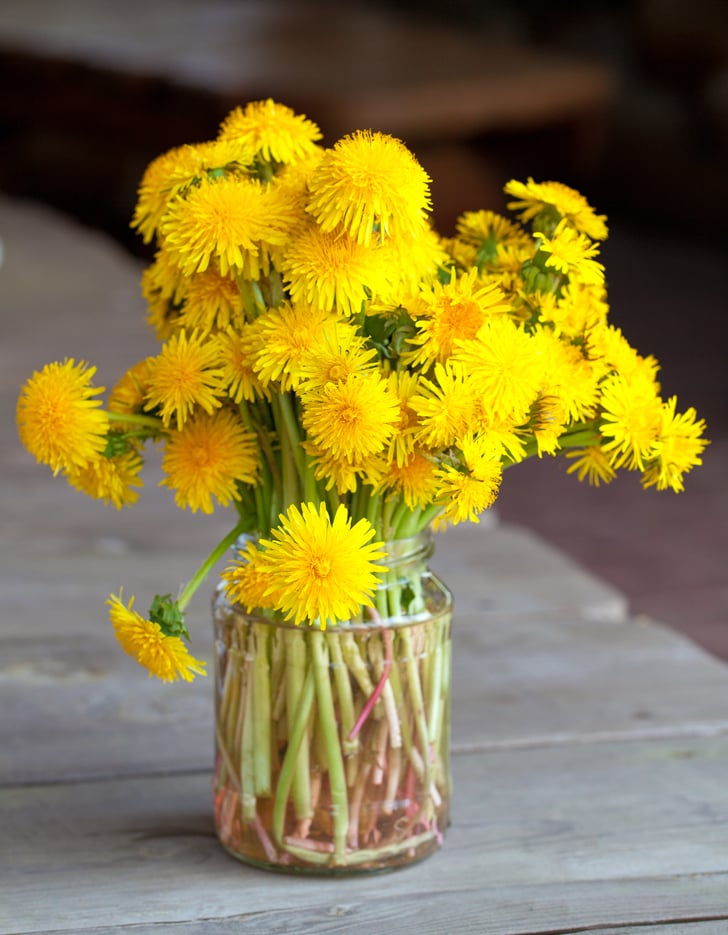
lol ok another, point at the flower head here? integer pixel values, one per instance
(678, 448)
(564, 202)
(210, 302)
(228, 220)
(332, 271)
(632, 418)
(246, 583)
(465, 495)
(353, 418)
(272, 132)
(184, 375)
(451, 312)
(58, 419)
(323, 570)
(163, 655)
(207, 458)
(416, 479)
(284, 336)
(370, 185)
(572, 254)
(504, 366)
(171, 174)
(592, 464)
(111, 479)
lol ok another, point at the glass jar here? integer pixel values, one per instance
(333, 747)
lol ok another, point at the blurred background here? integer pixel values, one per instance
(625, 100)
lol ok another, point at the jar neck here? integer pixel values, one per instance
(402, 553)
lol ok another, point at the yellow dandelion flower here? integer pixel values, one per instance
(569, 380)
(185, 374)
(505, 367)
(338, 352)
(571, 254)
(453, 311)
(482, 455)
(608, 347)
(58, 419)
(415, 478)
(210, 302)
(110, 479)
(226, 220)
(207, 458)
(371, 185)
(631, 420)
(484, 229)
(237, 350)
(501, 436)
(463, 496)
(130, 392)
(404, 385)
(324, 571)
(158, 183)
(578, 309)
(678, 448)
(175, 171)
(166, 657)
(548, 420)
(445, 406)
(163, 279)
(354, 418)
(534, 197)
(284, 336)
(342, 474)
(271, 131)
(332, 271)
(246, 583)
(592, 464)
(411, 261)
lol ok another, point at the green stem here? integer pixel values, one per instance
(418, 707)
(329, 730)
(291, 425)
(292, 455)
(131, 418)
(262, 713)
(295, 736)
(212, 559)
(247, 751)
(344, 693)
(295, 677)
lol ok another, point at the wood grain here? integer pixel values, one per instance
(546, 837)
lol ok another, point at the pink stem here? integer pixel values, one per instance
(270, 851)
(379, 688)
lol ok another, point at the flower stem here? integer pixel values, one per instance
(188, 591)
(132, 418)
(295, 737)
(261, 709)
(295, 673)
(328, 725)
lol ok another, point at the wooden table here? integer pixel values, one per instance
(590, 749)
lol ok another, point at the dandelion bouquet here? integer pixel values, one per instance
(345, 379)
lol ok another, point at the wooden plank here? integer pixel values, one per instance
(543, 840)
(474, 913)
(512, 570)
(706, 927)
(540, 679)
(76, 707)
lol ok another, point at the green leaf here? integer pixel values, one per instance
(166, 613)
